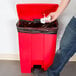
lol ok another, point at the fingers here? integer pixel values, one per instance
(53, 16)
(53, 19)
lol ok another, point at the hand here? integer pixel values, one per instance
(54, 16)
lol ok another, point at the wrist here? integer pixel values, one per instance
(59, 11)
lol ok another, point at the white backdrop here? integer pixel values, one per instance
(8, 19)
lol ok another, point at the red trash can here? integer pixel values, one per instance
(36, 47)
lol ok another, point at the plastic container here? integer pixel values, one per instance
(37, 43)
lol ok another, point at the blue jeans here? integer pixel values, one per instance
(66, 50)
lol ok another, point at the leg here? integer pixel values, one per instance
(66, 50)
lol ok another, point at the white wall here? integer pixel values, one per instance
(8, 19)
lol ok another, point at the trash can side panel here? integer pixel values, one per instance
(25, 52)
(37, 46)
(49, 49)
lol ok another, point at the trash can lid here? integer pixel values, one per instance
(34, 11)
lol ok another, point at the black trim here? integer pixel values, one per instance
(44, 30)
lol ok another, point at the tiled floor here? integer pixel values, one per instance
(12, 68)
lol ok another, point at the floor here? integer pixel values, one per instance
(12, 68)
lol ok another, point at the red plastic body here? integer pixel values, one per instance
(36, 49)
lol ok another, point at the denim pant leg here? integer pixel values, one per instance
(66, 50)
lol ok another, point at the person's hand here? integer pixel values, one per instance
(54, 16)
